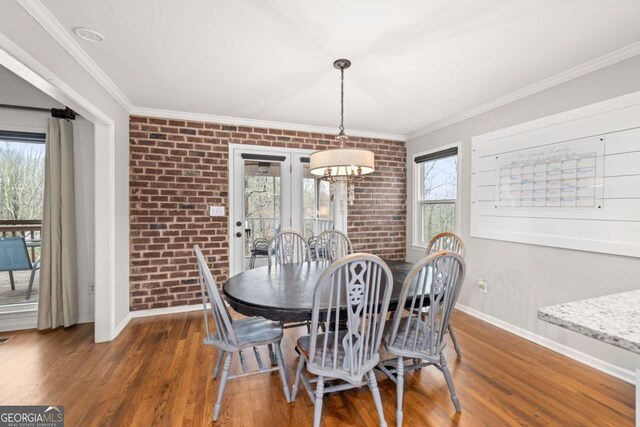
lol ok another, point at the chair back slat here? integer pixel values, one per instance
(446, 241)
(350, 300)
(332, 245)
(218, 312)
(439, 278)
(288, 247)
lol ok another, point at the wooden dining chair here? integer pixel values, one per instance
(332, 245)
(350, 303)
(232, 336)
(288, 247)
(448, 241)
(411, 335)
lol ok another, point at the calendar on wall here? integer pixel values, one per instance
(571, 180)
(559, 175)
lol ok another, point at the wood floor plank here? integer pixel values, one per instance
(158, 372)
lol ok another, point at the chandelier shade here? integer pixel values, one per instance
(342, 163)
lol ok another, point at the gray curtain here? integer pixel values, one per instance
(58, 297)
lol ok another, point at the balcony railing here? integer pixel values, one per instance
(29, 229)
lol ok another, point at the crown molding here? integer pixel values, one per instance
(60, 34)
(563, 77)
(227, 120)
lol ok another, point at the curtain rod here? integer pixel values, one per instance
(66, 113)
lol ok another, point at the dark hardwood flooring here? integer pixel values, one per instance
(158, 373)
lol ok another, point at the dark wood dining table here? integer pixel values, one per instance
(285, 292)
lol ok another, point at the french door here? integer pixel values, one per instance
(271, 190)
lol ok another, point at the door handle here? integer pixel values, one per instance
(238, 234)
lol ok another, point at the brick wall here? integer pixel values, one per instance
(178, 168)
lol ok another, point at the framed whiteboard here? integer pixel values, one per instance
(571, 180)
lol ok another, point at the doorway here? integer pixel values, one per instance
(272, 190)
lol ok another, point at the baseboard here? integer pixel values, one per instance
(599, 364)
(120, 326)
(22, 319)
(19, 319)
(166, 310)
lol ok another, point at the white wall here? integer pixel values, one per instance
(524, 277)
(24, 31)
(32, 121)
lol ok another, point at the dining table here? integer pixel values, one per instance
(285, 292)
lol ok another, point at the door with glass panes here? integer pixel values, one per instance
(271, 191)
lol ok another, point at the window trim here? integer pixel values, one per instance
(417, 203)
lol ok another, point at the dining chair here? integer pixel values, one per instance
(260, 247)
(232, 336)
(14, 256)
(448, 241)
(311, 242)
(332, 245)
(288, 247)
(437, 278)
(350, 303)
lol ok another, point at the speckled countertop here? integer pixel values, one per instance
(614, 319)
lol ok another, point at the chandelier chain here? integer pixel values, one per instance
(341, 101)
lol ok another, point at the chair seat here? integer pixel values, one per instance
(252, 331)
(260, 251)
(304, 345)
(400, 344)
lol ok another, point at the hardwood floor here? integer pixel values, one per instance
(158, 373)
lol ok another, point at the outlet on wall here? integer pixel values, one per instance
(483, 285)
(92, 288)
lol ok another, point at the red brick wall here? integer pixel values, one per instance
(178, 168)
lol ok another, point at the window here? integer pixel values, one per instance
(21, 176)
(437, 193)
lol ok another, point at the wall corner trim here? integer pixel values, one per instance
(599, 364)
(120, 326)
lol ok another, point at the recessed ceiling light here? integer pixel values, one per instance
(88, 35)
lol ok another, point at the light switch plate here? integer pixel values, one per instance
(216, 210)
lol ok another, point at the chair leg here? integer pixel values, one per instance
(317, 409)
(223, 382)
(373, 386)
(399, 391)
(296, 381)
(13, 283)
(447, 377)
(33, 276)
(272, 356)
(216, 369)
(283, 371)
(455, 342)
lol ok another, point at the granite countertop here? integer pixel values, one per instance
(614, 319)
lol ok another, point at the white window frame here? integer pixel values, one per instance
(417, 202)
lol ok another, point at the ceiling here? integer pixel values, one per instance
(414, 62)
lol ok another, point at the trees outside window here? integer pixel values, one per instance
(438, 194)
(21, 181)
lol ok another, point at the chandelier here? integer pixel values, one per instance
(342, 165)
